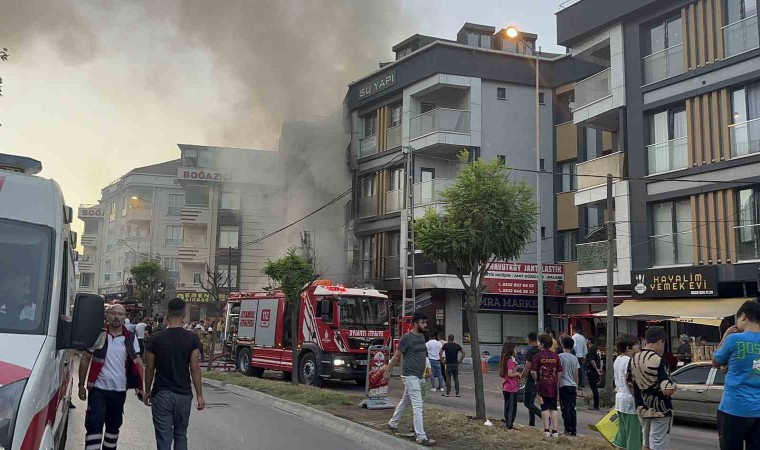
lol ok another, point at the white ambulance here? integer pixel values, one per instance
(38, 331)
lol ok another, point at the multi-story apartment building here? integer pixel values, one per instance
(439, 97)
(674, 110)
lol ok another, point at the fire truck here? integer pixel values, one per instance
(336, 326)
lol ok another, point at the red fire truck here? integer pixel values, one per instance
(336, 326)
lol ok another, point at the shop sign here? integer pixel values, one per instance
(199, 297)
(512, 278)
(378, 84)
(697, 281)
(198, 174)
(89, 212)
(490, 302)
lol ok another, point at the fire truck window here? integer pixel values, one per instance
(326, 308)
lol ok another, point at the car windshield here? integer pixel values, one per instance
(24, 270)
(363, 311)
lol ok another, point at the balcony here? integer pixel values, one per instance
(393, 137)
(139, 214)
(194, 244)
(367, 207)
(428, 192)
(599, 168)
(391, 267)
(745, 137)
(567, 141)
(174, 242)
(440, 120)
(174, 211)
(593, 89)
(367, 146)
(195, 215)
(89, 240)
(663, 64)
(741, 36)
(394, 200)
(593, 255)
(667, 156)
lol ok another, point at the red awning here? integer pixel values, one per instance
(595, 299)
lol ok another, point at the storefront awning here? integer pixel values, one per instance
(701, 311)
(600, 299)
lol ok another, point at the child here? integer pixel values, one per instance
(629, 435)
(546, 369)
(511, 384)
(568, 385)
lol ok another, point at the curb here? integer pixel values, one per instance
(351, 430)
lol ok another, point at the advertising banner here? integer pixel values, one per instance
(514, 278)
(376, 387)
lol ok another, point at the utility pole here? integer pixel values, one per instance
(408, 248)
(539, 237)
(608, 372)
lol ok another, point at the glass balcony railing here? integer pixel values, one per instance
(747, 242)
(741, 36)
(393, 137)
(745, 137)
(367, 146)
(440, 119)
(593, 255)
(394, 200)
(593, 88)
(367, 206)
(667, 156)
(427, 192)
(663, 64)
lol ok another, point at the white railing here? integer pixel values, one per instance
(393, 137)
(740, 36)
(663, 64)
(367, 146)
(440, 119)
(745, 137)
(593, 88)
(667, 156)
(394, 200)
(427, 192)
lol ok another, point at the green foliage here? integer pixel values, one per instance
(292, 272)
(147, 276)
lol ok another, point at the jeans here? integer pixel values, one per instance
(734, 432)
(593, 383)
(510, 408)
(437, 373)
(567, 398)
(582, 373)
(529, 400)
(412, 396)
(104, 408)
(452, 371)
(171, 417)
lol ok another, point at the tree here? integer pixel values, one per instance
(294, 273)
(213, 285)
(486, 216)
(148, 283)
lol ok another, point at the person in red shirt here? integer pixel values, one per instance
(511, 384)
(546, 369)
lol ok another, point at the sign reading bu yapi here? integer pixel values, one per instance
(514, 278)
(697, 281)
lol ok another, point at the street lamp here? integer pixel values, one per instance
(513, 33)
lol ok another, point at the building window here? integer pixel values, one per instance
(393, 243)
(541, 100)
(489, 328)
(174, 235)
(403, 52)
(748, 228)
(672, 233)
(368, 257)
(740, 34)
(395, 115)
(664, 50)
(745, 129)
(567, 244)
(369, 123)
(478, 40)
(197, 279)
(112, 212)
(176, 202)
(196, 195)
(396, 179)
(197, 158)
(368, 186)
(172, 268)
(230, 200)
(592, 143)
(228, 237)
(124, 206)
(501, 93)
(569, 178)
(86, 279)
(107, 271)
(667, 149)
(223, 270)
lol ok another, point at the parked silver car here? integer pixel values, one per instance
(700, 388)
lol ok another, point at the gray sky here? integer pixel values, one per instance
(95, 88)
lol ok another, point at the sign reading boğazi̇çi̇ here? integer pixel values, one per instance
(696, 281)
(514, 278)
(372, 87)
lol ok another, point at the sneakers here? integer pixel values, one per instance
(547, 435)
(426, 442)
(555, 435)
(518, 426)
(446, 394)
(434, 390)
(458, 395)
(393, 429)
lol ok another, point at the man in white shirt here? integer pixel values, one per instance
(140, 333)
(434, 355)
(581, 350)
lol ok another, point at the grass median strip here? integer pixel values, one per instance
(452, 430)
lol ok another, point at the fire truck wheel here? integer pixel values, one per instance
(244, 362)
(308, 370)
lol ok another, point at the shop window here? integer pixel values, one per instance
(489, 326)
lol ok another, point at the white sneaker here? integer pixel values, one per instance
(434, 389)
(547, 435)
(555, 435)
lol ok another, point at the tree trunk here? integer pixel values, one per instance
(294, 340)
(471, 309)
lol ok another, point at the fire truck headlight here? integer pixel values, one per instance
(339, 362)
(10, 399)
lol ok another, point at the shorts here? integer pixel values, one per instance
(548, 403)
(655, 432)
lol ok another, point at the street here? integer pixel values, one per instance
(229, 422)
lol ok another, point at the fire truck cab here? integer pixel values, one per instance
(336, 326)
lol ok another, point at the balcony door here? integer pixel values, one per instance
(427, 175)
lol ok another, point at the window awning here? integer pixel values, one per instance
(701, 311)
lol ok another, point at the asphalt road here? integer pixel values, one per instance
(229, 422)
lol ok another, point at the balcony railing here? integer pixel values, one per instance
(393, 137)
(174, 242)
(740, 36)
(367, 146)
(593, 88)
(174, 211)
(367, 206)
(427, 192)
(747, 242)
(667, 156)
(440, 119)
(593, 255)
(599, 168)
(194, 244)
(391, 267)
(745, 137)
(663, 64)
(394, 200)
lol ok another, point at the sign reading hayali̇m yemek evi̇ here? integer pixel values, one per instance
(673, 282)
